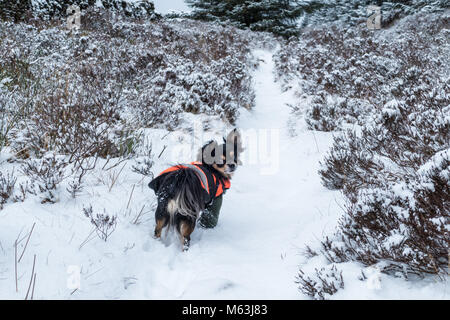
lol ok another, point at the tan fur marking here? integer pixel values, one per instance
(185, 232)
(159, 227)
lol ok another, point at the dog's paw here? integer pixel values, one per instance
(186, 245)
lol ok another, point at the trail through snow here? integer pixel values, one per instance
(267, 219)
(253, 253)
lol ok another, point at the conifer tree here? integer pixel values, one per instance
(277, 16)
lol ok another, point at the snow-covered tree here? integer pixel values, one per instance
(277, 16)
(18, 9)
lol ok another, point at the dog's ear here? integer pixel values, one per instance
(234, 138)
(207, 154)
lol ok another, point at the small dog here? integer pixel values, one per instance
(185, 190)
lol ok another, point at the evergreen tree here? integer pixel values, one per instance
(14, 9)
(277, 16)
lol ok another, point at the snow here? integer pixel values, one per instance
(276, 206)
(164, 6)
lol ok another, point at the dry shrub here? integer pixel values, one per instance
(326, 282)
(45, 175)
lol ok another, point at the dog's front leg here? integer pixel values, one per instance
(160, 223)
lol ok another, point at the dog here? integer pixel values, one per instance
(185, 190)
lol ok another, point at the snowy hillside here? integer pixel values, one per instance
(89, 118)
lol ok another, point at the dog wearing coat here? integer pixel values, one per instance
(185, 191)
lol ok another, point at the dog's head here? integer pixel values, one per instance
(224, 157)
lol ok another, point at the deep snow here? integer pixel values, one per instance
(270, 213)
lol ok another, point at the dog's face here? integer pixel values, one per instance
(225, 157)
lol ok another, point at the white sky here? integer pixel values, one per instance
(165, 6)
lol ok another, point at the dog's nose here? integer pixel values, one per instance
(232, 166)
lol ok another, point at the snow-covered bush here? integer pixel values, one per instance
(393, 165)
(18, 10)
(144, 164)
(395, 175)
(404, 227)
(104, 224)
(17, 88)
(7, 184)
(45, 175)
(152, 70)
(79, 125)
(85, 94)
(323, 284)
(353, 12)
(353, 73)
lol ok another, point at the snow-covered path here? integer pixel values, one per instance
(254, 251)
(267, 219)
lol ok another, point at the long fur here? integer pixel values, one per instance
(182, 196)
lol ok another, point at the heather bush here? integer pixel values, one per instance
(45, 175)
(104, 224)
(402, 228)
(7, 184)
(353, 12)
(387, 95)
(18, 87)
(323, 284)
(354, 73)
(72, 100)
(148, 72)
(19, 10)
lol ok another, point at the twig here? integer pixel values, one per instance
(139, 215)
(114, 165)
(90, 275)
(15, 264)
(114, 178)
(317, 146)
(166, 135)
(87, 239)
(34, 283)
(32, 275)
(26, 244)
(131, 194)
(165, 146)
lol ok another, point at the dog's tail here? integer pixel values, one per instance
(185, 195)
